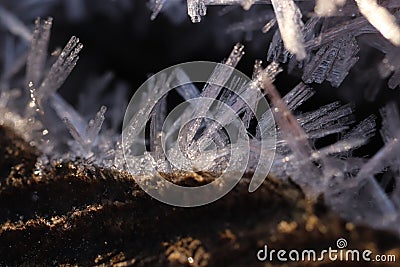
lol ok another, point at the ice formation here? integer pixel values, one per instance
(325, 49)
(322, 36)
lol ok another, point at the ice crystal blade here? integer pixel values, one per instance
(94, 126)
(38, 51)
(74, 131)
(212, 89)
(156, 6)
(356, 27)
(323, 120)
(365, 129)
(381, 19)
(60, 69)
(298, 95)
(288, 16)
(332, 62)
(341, 147)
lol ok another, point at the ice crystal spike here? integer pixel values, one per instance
(291, 27)
(196, 9)
(381, 19)
(235, 56)
(267, 27)
(38, 51)
(156, 6)
(14, 25)
(60, 69)
(94, 126)
(298, 96)
(85, 137)
(156, 124)
(211, 90)
(332, 62)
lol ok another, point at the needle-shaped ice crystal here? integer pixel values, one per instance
(60, 70)
(38, 51)
(288, 16)
(381, 19)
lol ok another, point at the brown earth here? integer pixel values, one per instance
(72, 214)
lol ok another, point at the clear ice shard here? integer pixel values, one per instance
(288, 16)
(60, 70)
(38, 51)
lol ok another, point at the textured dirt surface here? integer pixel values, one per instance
(74, 214)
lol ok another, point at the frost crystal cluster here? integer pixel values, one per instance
(316, 37)
(321, 42)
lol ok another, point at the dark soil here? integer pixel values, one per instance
(72, 214)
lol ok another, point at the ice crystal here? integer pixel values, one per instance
(291, 27)
(38, 117)
(320, 49)
(332, 62)
(324, 43)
